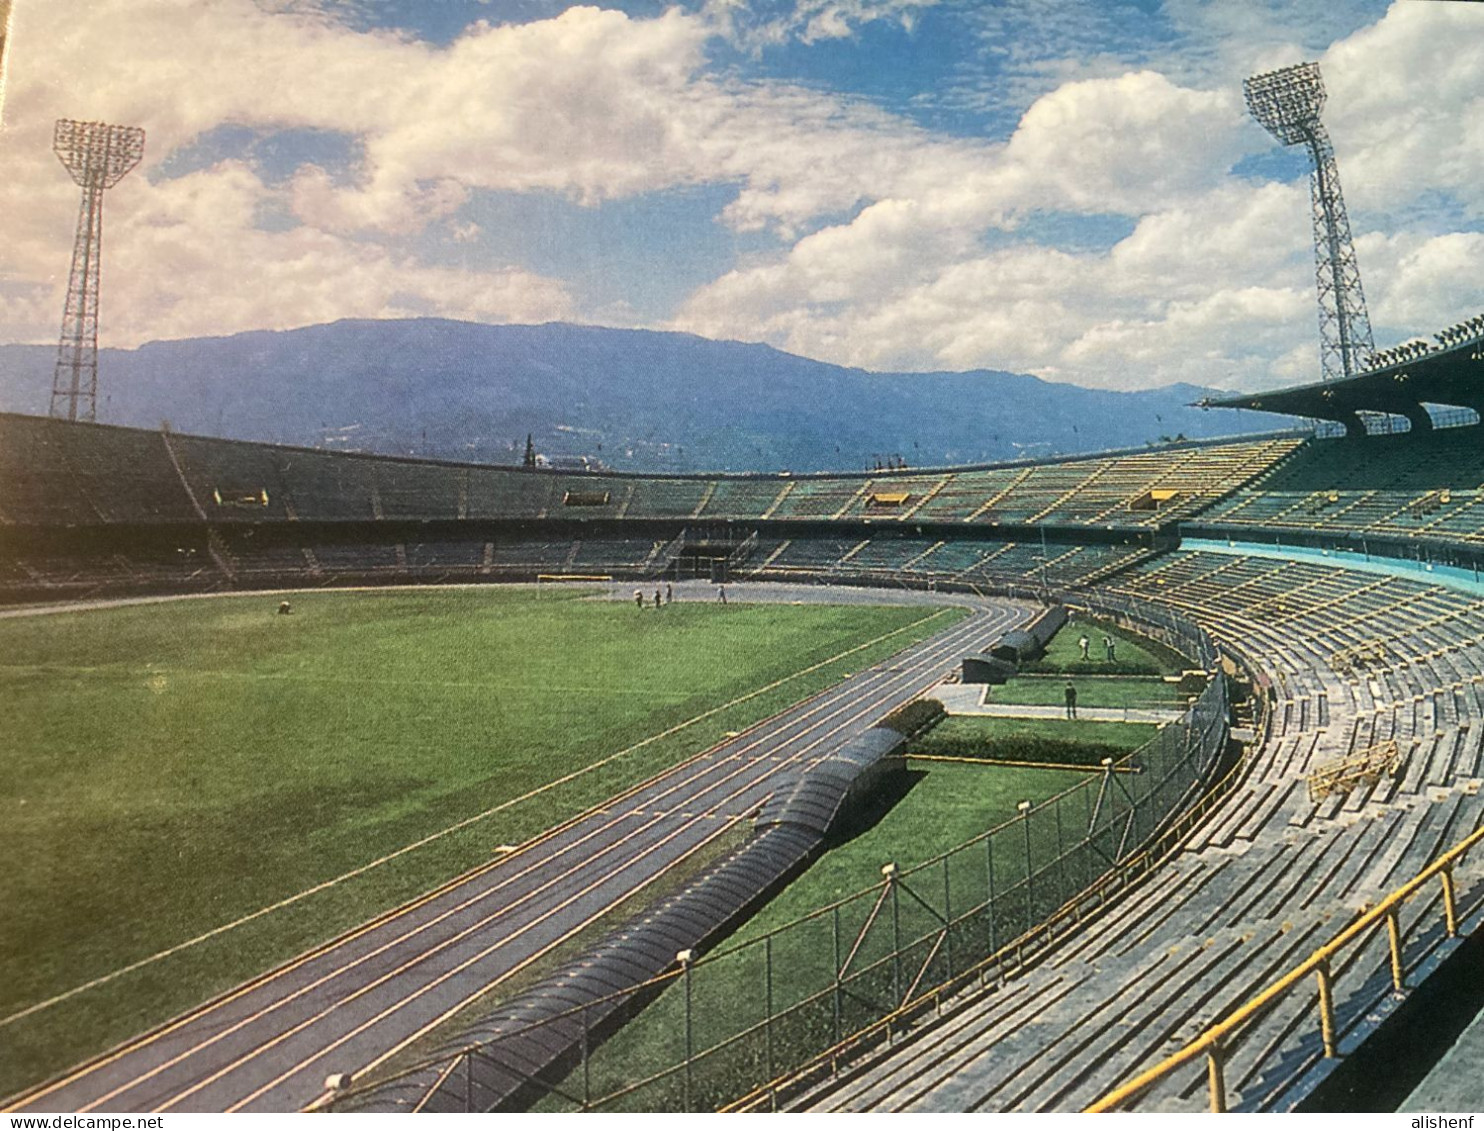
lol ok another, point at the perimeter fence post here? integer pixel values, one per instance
(989, 908)
(685, 957)
(1030, 872)
(947, 924)
(768, 1002)
(1061, 858)
(889, 877)
(587, 1089)
(835, 931)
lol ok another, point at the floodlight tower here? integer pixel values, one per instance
(98, 156)
(1287, 103)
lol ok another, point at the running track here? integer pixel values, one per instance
(353, 1003)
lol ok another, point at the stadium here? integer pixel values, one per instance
(1143, 780)
(1328, 588)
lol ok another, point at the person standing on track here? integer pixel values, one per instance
(669, 593)
(1084, 643)
(1071, 697)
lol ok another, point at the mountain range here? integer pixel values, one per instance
(633, 399)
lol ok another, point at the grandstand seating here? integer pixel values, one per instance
(1138, 489)
(1426, 485)
(1269, 876)
(666, 498)
(975, 561)
(1353, 660)
(743, 498)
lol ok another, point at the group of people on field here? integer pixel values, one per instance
(1110, 647)
(665, 598)
(1110, 653)
(668, 596)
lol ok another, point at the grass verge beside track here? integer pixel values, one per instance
(174, 767)
(929, 814)
(1068, 741)
(1135, 655)
(1103, 691)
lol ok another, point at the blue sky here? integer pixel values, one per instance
(1064, 187)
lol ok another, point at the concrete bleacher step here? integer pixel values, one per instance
(1296, 758)
(1328, 852)
(899, 1076)
(1203, 976)
(1167, 922)
(1033, 1042)
(1149, 900)
(1214, 909)
(1356, 850)
(1247, 800)
(1282, 798)
(1273, 950)
(1278, 868)
(1261, 882)
(1124, 1026)
(1414, 770)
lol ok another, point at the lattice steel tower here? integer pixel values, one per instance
(1287, 103)
(98, 156)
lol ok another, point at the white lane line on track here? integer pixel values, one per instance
(901, 679)
(950, 639)
(289, 901)
(831, 703)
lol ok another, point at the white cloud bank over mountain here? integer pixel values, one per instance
(880, 243)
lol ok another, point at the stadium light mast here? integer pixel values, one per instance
(1287, 103)
(98, 156)
(5, 6)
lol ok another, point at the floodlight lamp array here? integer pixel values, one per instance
(1396, 355)
(96, 154)
(1287, 102)
(1465, 331)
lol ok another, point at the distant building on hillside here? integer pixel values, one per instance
(570, 463)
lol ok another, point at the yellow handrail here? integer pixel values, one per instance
(1210, 1042)
(1142, 862)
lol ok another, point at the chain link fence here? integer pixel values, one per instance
(761, 1015)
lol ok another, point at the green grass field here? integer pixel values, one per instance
(945, 807)
(942, 809)
(1073, 742)
(1102, 691)
(173, 767)
(1134, 655)
(787, 953)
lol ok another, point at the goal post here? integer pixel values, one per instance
(546, 580)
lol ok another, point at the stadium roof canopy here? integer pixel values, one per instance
(1401, 382)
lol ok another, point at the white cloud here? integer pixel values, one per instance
(1422, 283)
(1406, 108)
(906, 282)
(895, 238)
(807, 21)
(1124, 144)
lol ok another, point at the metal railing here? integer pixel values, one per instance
(1213, 1043)
(1365, 767)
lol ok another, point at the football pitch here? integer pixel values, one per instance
(199, 789)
